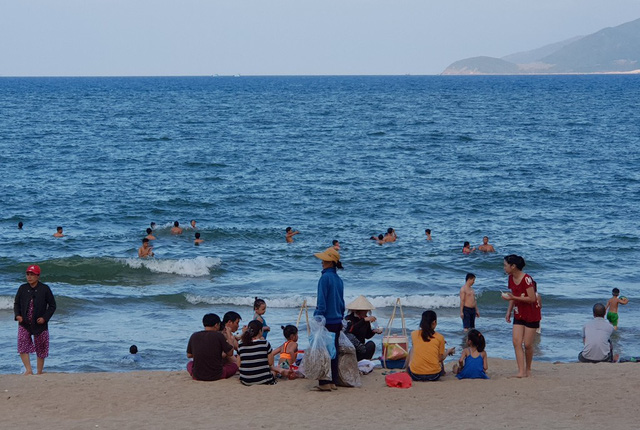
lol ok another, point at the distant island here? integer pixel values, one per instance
(610, 50)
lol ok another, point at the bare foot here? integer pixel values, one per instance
(455, 369)
(519, 375)
(28, 372)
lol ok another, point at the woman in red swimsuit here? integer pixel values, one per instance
(526, 312)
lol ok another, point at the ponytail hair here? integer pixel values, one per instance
(516, 260)
(428, 317)
(253, 328)
(477, 339)
(257, 303)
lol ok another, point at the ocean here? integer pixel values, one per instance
(546, 166)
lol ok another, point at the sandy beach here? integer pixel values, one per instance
(564, 395)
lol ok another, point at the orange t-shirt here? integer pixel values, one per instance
(426, 355)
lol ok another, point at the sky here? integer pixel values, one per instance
(283, 37)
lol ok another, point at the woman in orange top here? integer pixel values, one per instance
(427, 352)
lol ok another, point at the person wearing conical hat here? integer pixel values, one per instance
(330, 305)
(359, 327)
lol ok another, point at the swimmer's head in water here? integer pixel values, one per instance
(133, 349)
(210, 320)
(465, 244)
(153, 225)
(149, 231)
(59, 229)
(197, 235)
(389, 230)
(176, 224)
(380, 236)
(485, 240)
(20, 225)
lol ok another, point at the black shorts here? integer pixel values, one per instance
(469, 317)
(527, 324)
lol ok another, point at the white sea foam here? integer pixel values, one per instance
(198, 266)
(6, 302)
(418, 301)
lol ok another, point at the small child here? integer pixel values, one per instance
(468, 303)
(289, 350)
(467, 249)
(254, 357)
(612, 307)
(473, 361)
(288, 353)
(198, 241)
(289, 233)
(260, 307)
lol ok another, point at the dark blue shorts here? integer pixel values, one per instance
(425, 378)
(469, 317)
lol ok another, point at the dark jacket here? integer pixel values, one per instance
(44, 305)
(330, 303)
(360, 328)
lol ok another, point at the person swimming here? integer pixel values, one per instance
(176, 228)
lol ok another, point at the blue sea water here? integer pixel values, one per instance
(547, 167)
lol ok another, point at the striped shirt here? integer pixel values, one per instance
(254, 363)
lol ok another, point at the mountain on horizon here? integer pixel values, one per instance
(610, 50)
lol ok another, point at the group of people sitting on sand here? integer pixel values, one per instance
(217, 352)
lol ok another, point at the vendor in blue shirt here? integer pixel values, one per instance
(330, 305)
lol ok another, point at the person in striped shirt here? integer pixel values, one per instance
(254, 357)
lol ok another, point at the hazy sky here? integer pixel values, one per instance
(263, 37)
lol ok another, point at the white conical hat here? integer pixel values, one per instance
(360, 304)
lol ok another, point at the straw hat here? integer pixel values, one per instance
(360, 304)
(329, 254)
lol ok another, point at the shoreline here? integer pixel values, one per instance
(559, 395)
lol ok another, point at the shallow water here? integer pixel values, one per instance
(547, 167)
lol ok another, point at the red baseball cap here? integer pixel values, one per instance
(34, 269)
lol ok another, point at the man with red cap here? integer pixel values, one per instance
(33, 308)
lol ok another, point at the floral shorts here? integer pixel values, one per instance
(28, 344)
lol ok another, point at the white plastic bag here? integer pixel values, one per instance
(317, 360)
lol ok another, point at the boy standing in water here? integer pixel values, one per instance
(612, 307)
(468, 304)
(289, 234)
(145, 250)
